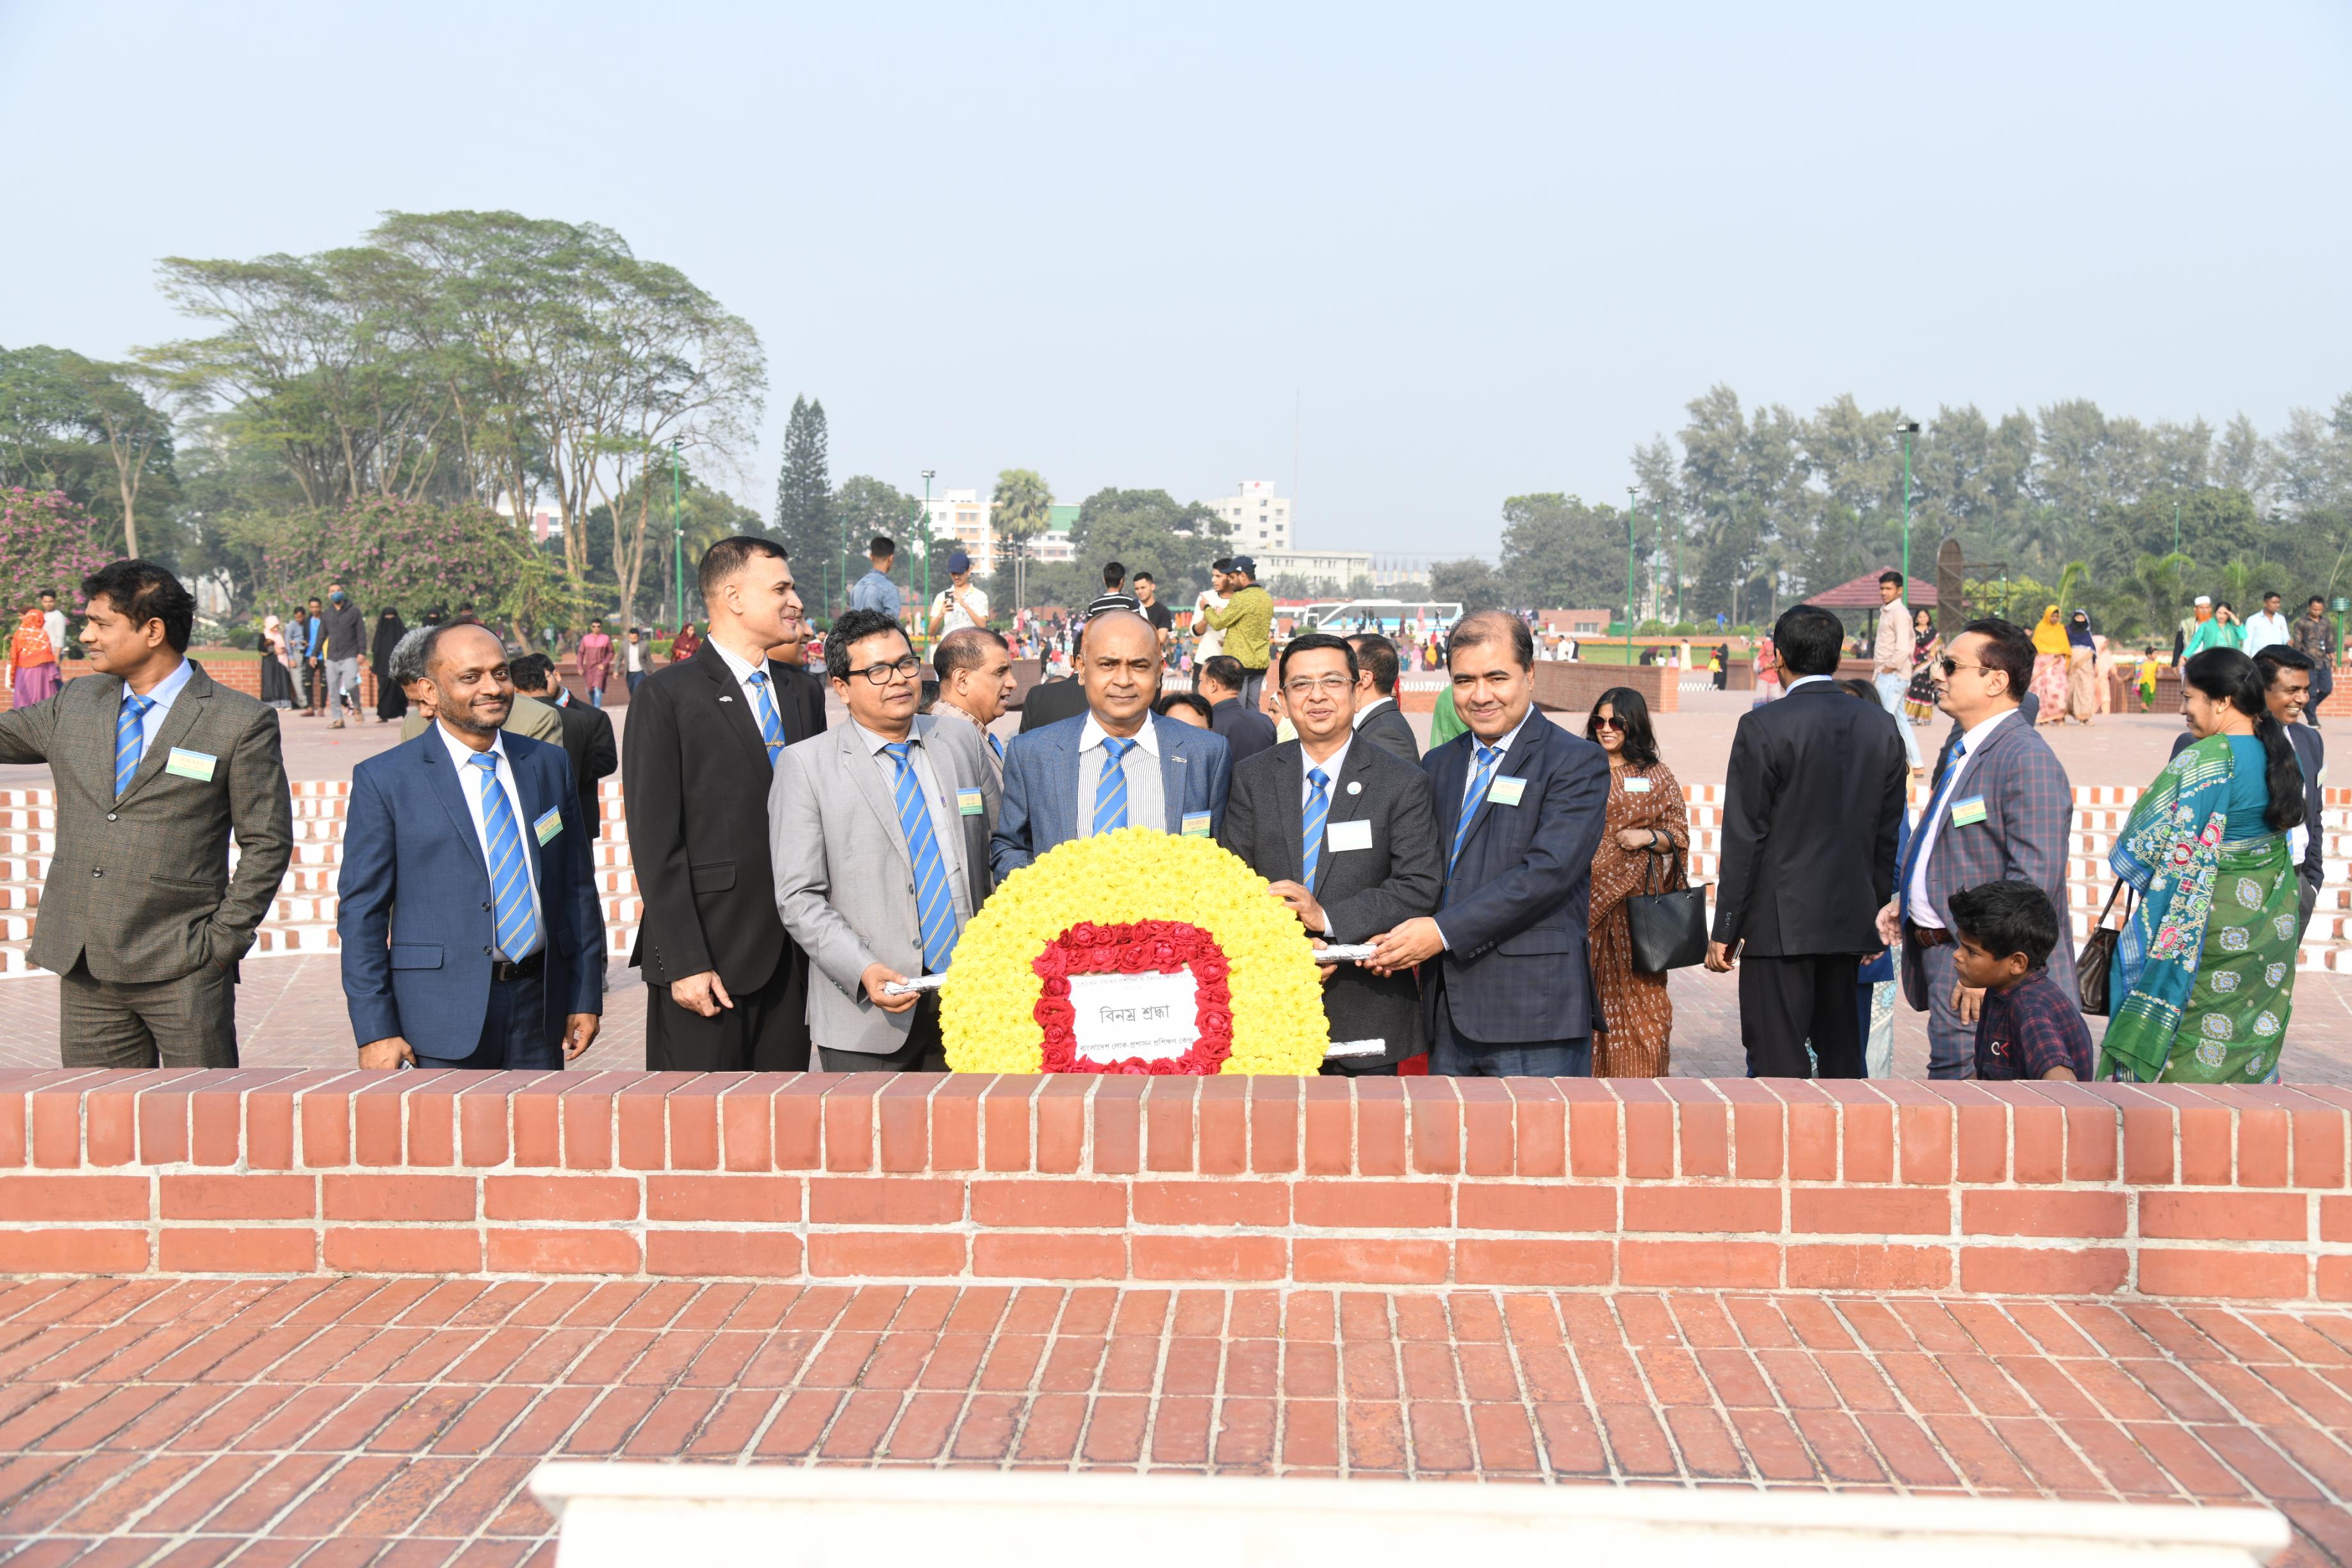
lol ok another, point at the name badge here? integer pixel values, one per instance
(967, 803)
(195, 765)
(1964, 812)
(1637, 787)
(1196, 825)
(1506, 791)
(551, 825)
(1339, 835)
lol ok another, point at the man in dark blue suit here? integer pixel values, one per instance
(468, 919)
(1115, 765)
(1521, 807)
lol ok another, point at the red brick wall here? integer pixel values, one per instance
(1739, 1184)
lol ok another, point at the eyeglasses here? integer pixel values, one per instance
(1308, 685)
(880, 674)
(1607, 724)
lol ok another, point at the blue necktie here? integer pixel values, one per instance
(518, 926)
(1110, 791)
(763, 703)
(1318, 806)
(128, 734)
(998, 747)
(1487, 757)
(1919, 834)
(934, 900)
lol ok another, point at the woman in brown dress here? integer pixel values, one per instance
(1648, 830)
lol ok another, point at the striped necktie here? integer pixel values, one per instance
(1110, 791)
(128, 736)
(518, 925)
(764, 704)
(1487, 757)
(1318, 806)
(1919, 834)
(934, 900)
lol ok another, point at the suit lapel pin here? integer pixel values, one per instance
(1355, 786)
(727, 699)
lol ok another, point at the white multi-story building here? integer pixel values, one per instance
(959, 522)
(1257, 519)
(1337, 571)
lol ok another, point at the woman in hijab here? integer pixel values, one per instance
(2050, 648)
(276, 665)
(391, 702)
(32, 662)
(2082, 668)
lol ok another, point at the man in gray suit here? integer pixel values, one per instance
(975, 672)
(880, 853)
(1116, 765)
(1346, 836)
(1999, 808)
(156, 767)
(1378, 720)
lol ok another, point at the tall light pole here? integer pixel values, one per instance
(1629, 574)
(677, 542)
(1909, 429)
(923, 614)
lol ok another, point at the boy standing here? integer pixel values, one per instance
(2028, 1029)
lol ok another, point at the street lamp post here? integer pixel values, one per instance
(677, 542)
(1629, 574)
(1909, 429)
(923, 614)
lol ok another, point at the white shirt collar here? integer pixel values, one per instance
(1506, 742)
(462, 755)
(1333, 766)
(167, 690)
(741, 668)
(1367, 710)
(874, 743)
(1973, 737)
(1093, 734)
(1803, 680)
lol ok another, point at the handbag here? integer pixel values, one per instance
(2098, 952)
(1666, 929)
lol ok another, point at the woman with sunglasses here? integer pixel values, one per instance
(1648, 827)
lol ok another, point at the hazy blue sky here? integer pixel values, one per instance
(1488, 249)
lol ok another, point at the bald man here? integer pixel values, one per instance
(1115, 765)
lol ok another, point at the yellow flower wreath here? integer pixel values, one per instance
(988, 1007)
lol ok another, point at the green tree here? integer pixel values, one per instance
(1469, 581)
(864, 507)
(1019, 510)
(46, 541)
(804, 506)
(85, 428)
(1559, 553)
(1147, 531)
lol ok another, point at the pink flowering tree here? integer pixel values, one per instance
(413, 555)
(45, 542)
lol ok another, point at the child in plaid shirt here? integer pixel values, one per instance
(2029, 1026)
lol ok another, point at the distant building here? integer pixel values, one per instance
(1053, 545)
(959, 522)
(1334, 570)
(1256, 520)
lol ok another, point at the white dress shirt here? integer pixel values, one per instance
(2263, 630)
(166, 691)
(1367, 711)
(742, 672)
(469, 783)
(1470, 776)
(1915, 895)
(1803, 680)
(944, 829)
(1331, 766)
(1146, 802)
(53, 622)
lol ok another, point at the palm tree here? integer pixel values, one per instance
(1019, 512)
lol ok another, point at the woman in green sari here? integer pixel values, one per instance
(2203, 976)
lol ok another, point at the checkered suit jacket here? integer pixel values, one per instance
(2029, 813)
(139, 888)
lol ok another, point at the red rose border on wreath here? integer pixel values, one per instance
(1144, 947)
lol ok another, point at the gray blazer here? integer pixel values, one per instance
(846, 880)
(139, 888)
(2028, 814)
(1364, 891)
(1387, 727)
(973, 757)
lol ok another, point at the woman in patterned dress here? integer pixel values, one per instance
(2203, 977)
(2049, 667)
(1647, 830)
(1927, 648)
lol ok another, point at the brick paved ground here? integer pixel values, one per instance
(366, 1420)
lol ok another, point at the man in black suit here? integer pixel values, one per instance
(587, 731)
(1814, 789)
(1378, 717)
(2287, 673)
(726, 989)
(1521, 807)
(1346, 836)
(1051, 701)
(1246, 731)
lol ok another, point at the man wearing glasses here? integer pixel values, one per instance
(880, 846)
(1999, 809)
(1346, 836)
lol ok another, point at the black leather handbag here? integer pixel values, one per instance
(1666, 929)
(2098, 951)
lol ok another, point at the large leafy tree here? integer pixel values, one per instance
(1559, 553)
(85, 429)
(1149, 531)
(804, 511)
(863, 507)
(46, 541)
